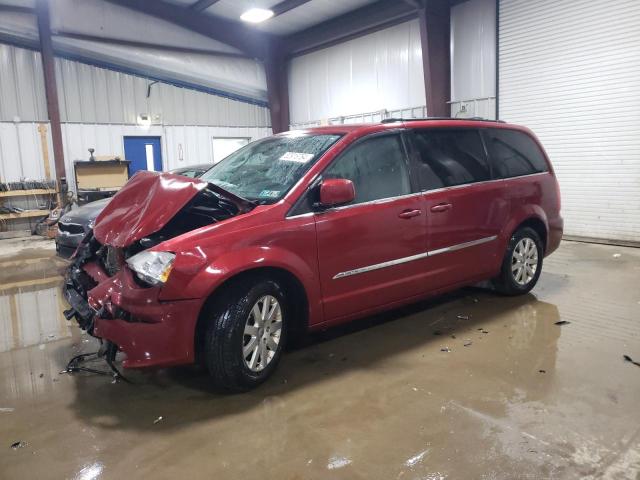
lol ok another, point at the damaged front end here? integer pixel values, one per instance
(114, 281)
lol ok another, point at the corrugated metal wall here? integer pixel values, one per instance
(473, 59)
(22, 95)
(570, 70)
(375, 72)
(88, 94)
(99, 106)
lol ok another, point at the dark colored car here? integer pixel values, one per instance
(74, 225)
(309, 229)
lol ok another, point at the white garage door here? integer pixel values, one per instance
(570, 70)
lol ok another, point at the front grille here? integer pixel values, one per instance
(72, 228)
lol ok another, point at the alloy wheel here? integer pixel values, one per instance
(262, 333)
(524, 261)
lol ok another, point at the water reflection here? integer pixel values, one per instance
(31, 301)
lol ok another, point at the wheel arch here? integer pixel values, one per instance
(292, 285)
(538, 225)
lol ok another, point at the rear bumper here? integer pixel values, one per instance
(556, 228)
(151, 333)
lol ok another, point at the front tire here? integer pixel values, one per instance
(522, 263)
(246, 335)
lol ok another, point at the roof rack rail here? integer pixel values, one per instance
(478, 119)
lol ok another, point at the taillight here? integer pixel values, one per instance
(558, 196)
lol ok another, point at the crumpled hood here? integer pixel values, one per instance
(143, 206)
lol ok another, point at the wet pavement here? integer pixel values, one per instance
(471, 385)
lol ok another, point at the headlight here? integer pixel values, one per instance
(152, 267)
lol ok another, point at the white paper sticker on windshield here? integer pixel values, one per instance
(270, 193)
(297, 157)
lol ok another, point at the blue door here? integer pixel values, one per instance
(143, 153)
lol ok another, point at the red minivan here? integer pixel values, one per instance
(308, 229)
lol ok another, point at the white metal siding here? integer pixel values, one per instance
(473, 59)
(379, 71)
(89, 94)
(22, 95)
(570, 70)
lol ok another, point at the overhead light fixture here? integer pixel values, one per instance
(256, 15)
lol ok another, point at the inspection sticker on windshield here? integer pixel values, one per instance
(270, 193)
(296, 157)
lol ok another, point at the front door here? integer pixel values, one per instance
(144, 154)
(369, 251)
(465, 209)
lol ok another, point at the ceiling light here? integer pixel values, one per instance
(256, 15)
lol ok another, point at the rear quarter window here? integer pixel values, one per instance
(448, 157)
(513, 153)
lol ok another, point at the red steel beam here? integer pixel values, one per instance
(435, 24)
(51, 91)
(278, 91)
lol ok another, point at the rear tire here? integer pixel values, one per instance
(522, 263)
(246, 334)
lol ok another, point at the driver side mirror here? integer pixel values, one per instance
(336, 191)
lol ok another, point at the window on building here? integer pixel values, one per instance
(223, 147)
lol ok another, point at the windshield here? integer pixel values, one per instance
(265, 170)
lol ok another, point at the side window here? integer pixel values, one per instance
(376, 166)
(448, 157)
(514, 153)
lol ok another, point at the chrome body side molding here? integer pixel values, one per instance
(399, 261)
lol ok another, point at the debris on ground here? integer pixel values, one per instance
(463, 317)
(445, 349)
(475, 300)
(437, 332)
(562, 322)
(41, 375)
(482, 330)
(542, 371)
(617, 255)
(6, 409)
(453, 336)
(629, 359)
(18, 444)
(158, 420)
(467, 343)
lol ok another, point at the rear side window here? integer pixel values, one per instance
(376, 166)
(513, 153)
(448, 157)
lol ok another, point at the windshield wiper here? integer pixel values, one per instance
(242, 203)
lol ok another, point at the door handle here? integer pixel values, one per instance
(441, 207)
(410, 213)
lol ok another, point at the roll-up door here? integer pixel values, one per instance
(570, 70)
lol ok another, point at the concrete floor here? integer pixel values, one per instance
(378, 399)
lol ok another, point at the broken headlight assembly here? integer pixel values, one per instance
(152, 267)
